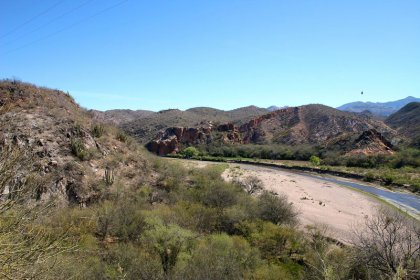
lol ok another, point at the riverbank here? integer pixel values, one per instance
(336, 204)
(404, 179)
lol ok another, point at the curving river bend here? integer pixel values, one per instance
(407, 202)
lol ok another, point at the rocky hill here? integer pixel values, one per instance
(118, 117)
(382, 109)
(407, 122)
(315, 125)
(146, 128)
(68, 152)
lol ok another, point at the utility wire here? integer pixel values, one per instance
(31, 19)
(69, 26)
(48, 23)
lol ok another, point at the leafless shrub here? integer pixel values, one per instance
(389, 246)
(251, 184)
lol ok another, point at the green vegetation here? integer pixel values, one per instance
(122, 137)
(190, 224)
(97, 130)
(79, 150)
(190, 152)
(151, 218)
(274, 152)
(109, 176)
(401, 168)
(315, 160)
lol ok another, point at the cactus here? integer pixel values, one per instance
(109, 176)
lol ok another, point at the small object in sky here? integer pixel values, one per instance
(361, 93)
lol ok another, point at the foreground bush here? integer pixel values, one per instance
(219, 257)
(276, 209)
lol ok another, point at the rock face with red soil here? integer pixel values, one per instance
(371, 142)
(311, 124)
(170, 140)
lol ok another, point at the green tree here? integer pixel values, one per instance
(315, 160)
(190, 152)
(276, 209)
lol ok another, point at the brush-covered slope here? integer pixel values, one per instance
(382, 109)
(146, 128)
(316, 125)
(407, 122)
(67, 151)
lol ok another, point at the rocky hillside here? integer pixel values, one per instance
(68, 151)
(118, 117)
(146, 128)
(407, 122)
(315, 125)
(382, 109)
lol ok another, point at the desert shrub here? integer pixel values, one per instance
(219, 256)
(272, 272)
(369, 177)
(25, 243)
(331, 158)
(389, 246)
(124, 222)
(97, 130)
(276, 243)
(190, 152)
(323, 258)
(315, 160)
(79, 150)
(127, 261)
(234, 215)
(276, 209)
(387, 177)
(251, 184)
(195, 216)
(77, 130)
(121, 136)
(168, 241)
(219, 195)
(172, 176)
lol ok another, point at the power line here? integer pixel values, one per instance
(69, 26)
(48, 23)
(31, 19)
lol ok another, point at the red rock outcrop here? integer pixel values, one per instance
(312, 125)
(371, 142)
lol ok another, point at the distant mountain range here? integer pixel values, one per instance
(275, 108)
(280, 125)
(311, 125)
(382, 109)
(146, 128)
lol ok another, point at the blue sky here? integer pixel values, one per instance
(218, 53)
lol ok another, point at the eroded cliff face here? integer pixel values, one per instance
(172, 139)
(312, 124)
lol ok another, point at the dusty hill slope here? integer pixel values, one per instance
(407, 121)
(382, 109)
(316, 125)
(146, 128)
(68, 152)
